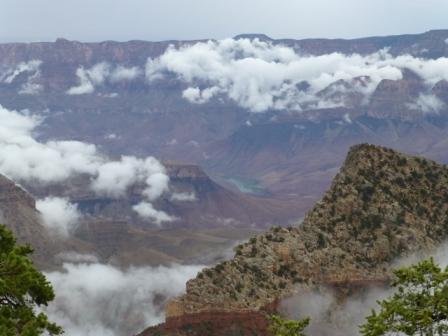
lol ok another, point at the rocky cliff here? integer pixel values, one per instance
(291, 156)
(382, 205)
(209, 219)
(18, 212)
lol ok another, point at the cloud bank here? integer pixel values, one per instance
(24, 67)
(427, 103)
(99, 74)
(183, 196)
(59, 215)
(26, 159)
(261, 76)
(32, 68)
(332, 316)
(146, 210)
(94, 299)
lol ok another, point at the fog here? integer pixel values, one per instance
(94, 299)
(330, 315)
(26, 159)
(260, 76)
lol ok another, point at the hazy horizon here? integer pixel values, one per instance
(151, 20)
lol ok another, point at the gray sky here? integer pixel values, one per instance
(97, 20)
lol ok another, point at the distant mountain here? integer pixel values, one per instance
(208, 219)
(381, 206)
(99, 92)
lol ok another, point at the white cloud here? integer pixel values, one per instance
(122, 73)
(85, 85)
(115, 177)
(59, 215)
(89, 78)
(183, 196)
(95, 299)
(330, 316)
(26, 159)
(74, 257)
(347, 118)
(260, 76)
(30, 88)
(30, 67)
(98, 74)
(427, 103)
(146, 210)
(198, 96)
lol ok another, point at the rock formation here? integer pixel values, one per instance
(382, 205)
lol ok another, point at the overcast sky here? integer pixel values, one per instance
(97, 20)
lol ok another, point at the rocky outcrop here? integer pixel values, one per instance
(214, 324)
(382, 205)
(18, 212)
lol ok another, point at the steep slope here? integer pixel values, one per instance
(209, 219)
(277, 150)
(382, 205)
(194, 199)
(18, 212)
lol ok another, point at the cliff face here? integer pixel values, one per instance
(382, 205)
(209, 219)
(18, 213)
(294, 159)
(194, 199)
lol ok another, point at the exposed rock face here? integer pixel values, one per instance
(294, 157)
(18, 212)
(194, 199)
(213, 324)
(382, 205)
(209, 219)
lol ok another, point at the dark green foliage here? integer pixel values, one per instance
(321, 242)
(283, 327)
(400, 182)
(366, 193)
(419, 306)
(371, 222)
(220, 267)
(22, 289)
(253, 251)
(402, 161)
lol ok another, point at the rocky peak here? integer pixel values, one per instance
(183, 171)
(261, 37)
(382, 205)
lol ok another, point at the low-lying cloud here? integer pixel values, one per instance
(261, 76)
(94, 299)
(26, 159)
(147, 210)
(331, 315)
(183, 197)
(59, 215)
(99, 74)
(10, 75)
(427, 103)
(31, 85)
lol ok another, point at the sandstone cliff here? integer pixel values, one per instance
(382, 205)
